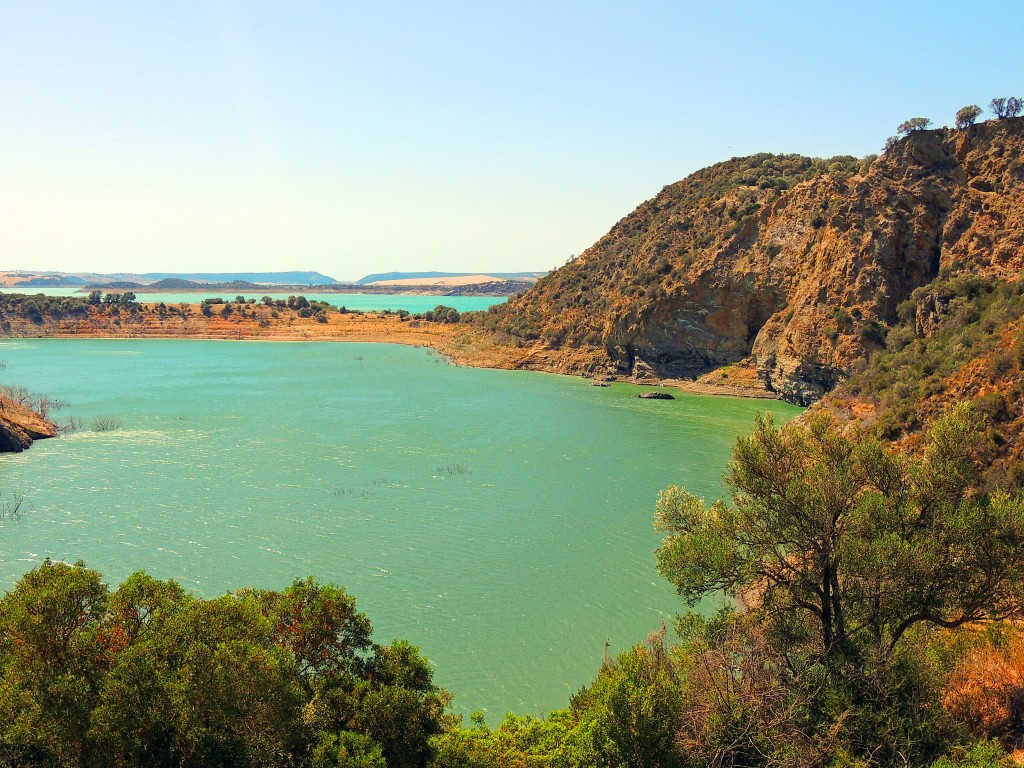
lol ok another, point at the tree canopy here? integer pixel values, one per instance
(966, 116)
(913, 124)
(1006, 107)
(150, 675)
(847, 544)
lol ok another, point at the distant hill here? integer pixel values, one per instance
(173, 284)
(39, 279)
(198, 279)
(177, 284)
(275, 278)
(118, 285)
(54, 280)
(381, 276)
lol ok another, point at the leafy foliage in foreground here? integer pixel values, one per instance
(148, 675)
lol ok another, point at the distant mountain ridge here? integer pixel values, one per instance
(44, 278)
(379, 276)
(273, 278)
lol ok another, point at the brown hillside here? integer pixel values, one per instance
(798, 264)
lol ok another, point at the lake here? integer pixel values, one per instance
(500, 520)
(364, 302)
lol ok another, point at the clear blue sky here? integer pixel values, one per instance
(357, 137)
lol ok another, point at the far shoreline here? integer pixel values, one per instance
(494, 289)
(464, 344)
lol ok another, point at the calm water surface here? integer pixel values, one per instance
(499, 520)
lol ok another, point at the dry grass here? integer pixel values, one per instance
(986, 690)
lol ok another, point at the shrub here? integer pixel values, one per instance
(966, 116)
(106, 424)
(1003, 108)
(908, 127)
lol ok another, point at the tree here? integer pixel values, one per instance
(320, 626)
(1006, 107)
(150, 675)
(848, 546)
(207, 687)
(965, 116)
(50, 664)
(913, 124)
(633, 709)
(139, 605)
(442, 314)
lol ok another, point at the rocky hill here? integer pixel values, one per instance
(794, 264)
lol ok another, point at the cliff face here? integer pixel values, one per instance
(20, 426)
(796, 264)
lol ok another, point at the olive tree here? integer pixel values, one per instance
(1006, 107)
(850, 543)
(966, 116)
(913, 124)
(51, 661)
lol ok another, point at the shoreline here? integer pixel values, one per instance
(465, 345)
(440, 291)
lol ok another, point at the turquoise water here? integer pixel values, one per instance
(499, 520)
(365, 302)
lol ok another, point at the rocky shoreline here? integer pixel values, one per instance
(20, 426)
(463, 344)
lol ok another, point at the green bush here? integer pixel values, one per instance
(149, 675)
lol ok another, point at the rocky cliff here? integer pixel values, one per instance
(796, 264)
(20, 426)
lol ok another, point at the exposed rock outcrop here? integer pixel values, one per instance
(655, 396)
(797, 264)
(20, 426)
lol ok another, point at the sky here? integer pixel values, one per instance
(351, 138)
